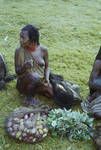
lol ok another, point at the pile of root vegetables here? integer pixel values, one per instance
(29, 126)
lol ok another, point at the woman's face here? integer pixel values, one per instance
(25, 42)
(24, 39)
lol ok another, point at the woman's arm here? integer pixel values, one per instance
(20, 66)
(46, 71)
(95, 77)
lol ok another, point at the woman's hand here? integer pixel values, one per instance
(47, 83)
(28, 64)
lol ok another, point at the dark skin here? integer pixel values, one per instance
(3, 72)
(95, 80)
(34, 87)
(95, 84)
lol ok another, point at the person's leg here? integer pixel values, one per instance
(30, 86)
(2, 84)
(44, 90)
(37, 88)
(26, 85)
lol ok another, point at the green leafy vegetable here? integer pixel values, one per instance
(69, 123)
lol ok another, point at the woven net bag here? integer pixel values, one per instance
(27, 124)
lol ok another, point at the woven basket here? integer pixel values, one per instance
(28, 125)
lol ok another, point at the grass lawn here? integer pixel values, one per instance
(72, 32)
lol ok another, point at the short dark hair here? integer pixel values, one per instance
(33, 33)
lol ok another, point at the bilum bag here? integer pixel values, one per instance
(66, 93)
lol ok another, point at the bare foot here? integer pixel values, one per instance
(31, 101)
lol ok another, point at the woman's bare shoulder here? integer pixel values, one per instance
(18, 50)
(44, 48)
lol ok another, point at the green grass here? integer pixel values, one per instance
(72, 32)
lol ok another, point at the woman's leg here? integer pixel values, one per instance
(45, 90)
(29, 86)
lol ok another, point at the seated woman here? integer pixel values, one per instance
(31, 65)
(94, 99)
(95, 78)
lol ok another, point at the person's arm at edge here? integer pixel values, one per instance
(94, 75)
